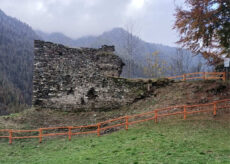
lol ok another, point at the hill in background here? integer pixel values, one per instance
(16, 63)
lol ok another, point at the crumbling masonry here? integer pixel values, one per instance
(83, 79)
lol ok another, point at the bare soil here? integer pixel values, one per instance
(177, 93)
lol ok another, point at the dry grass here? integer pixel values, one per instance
(178, 93)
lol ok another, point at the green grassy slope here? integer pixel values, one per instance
(195, 140)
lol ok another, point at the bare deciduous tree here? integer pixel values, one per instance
(183, 62)
(131, 41)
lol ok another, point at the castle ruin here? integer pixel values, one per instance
(81, 79)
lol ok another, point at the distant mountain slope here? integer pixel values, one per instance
(56, 38)
(16, 62)
(142, 52)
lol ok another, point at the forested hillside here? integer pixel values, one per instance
(16, 63)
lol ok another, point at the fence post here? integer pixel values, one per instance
(69, 133)
(185, 112)
(204, 76)
(126, 122)
(40, 135)
(214, 109)
(224, 76)
(155, 112)
(184, 77)
(10, 136)
(98, 129)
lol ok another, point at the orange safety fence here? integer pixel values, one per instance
(120, 122)
(201, 75)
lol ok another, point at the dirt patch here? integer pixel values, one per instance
(179, 93)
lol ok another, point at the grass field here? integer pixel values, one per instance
(170, 141)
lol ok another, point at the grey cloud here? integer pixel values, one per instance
(77, 18)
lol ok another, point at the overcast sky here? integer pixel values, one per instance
(152, 19)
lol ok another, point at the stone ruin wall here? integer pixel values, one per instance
(84, 79)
